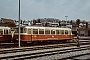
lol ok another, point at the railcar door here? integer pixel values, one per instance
(41, 35)
(1, 34)
(34, 35)
(25, 34)
(29, 35)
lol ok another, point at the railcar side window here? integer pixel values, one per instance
(69, 32)
(24, 30)
(57, 31)
(5, 31)
(41, 31)
(62, 31)
(21, 30)
(66, 31)
(52, 31)
(1, 31)
(47, 31)
(29, 31)
(35, 31)
(16, 30)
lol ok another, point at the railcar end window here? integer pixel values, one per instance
(41, 31)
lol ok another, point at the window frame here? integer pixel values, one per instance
(48, 31)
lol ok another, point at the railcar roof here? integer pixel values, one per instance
(3, 27)
(47, 27)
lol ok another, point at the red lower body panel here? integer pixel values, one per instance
(5, 38)
(43, 37)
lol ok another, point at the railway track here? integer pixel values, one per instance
(31, 53)
(38, 52)
(13, 45)
(46, 52)
(8, 45)
(36, 47)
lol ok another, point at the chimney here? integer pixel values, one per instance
(86, 24)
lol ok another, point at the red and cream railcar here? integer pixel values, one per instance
(32, 33)
(5, 34)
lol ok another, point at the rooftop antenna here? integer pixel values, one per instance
(66, 19)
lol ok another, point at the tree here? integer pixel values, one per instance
(34, 22)
(46, 24)
(86, 24)
(78, 21)
(83, 22)
(71, 22)
(38, 21)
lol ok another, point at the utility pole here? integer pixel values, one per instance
(19, 25)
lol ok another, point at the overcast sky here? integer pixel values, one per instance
(33, 9)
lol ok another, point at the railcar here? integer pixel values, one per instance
(5, 34)
(34, 33)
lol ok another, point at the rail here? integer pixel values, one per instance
(32, 54)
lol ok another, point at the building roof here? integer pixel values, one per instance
(8, 22)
